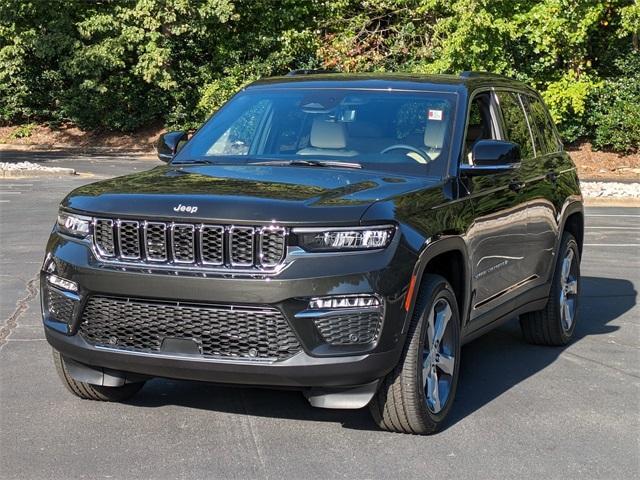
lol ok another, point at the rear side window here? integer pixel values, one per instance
(546, 141)
(515, 122)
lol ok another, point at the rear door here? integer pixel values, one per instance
(541, 174)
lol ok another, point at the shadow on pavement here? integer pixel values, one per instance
(491, 365)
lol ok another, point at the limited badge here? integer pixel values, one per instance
(435, 114)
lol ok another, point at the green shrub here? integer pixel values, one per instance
(615, 109)
(119, 65)
(567, 100)
(23, 131)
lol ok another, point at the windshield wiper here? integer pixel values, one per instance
(309, 163)
(194, 162)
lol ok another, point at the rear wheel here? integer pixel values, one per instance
(88, 391)
(417, 395)
(555, 324)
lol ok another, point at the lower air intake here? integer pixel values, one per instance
(350, 328)
(221, 331)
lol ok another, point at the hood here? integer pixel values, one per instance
(243, 194)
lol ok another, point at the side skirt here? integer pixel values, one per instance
(529, 301)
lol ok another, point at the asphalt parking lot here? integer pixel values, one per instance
(521, 412)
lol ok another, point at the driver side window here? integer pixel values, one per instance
(480, 125)
(238, 138)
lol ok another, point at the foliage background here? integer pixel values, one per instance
(121, 64)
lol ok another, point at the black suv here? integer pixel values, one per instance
(339, 234)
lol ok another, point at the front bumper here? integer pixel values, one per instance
(301, 370)
(383, 273)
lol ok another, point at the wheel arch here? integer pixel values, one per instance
(572, 222)
(447, 257)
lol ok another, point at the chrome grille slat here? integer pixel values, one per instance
(103, 237)
(183, 243)
(155, 241)
(212, 245)
(241, 246)
(128, 232)
(190, 245)
(272, 246)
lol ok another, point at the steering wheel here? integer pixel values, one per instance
(411, 148)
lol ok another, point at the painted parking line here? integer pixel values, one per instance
(611, 228)
(10, 193)
(612, 215)
(612, 244)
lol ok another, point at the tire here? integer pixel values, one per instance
(401, 403)
(549, 326)
(88, 391)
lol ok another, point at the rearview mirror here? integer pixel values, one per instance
(492, 156)
(169, 144)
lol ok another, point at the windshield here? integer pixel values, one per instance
(402, 132)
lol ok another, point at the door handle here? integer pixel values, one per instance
(516, 186)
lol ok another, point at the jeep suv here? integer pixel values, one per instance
(342, 235)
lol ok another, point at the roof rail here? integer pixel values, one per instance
(309, 71)
(471, 74)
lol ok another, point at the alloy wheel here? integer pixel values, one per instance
(568, 290)
(438, 361)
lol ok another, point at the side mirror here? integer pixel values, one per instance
(492, 156)
(169, 144)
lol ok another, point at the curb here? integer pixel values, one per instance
(142, 153)
(36, 173)
(611, 202)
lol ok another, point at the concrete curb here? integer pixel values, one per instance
(611, 202)
(37, 173)
(139, 153)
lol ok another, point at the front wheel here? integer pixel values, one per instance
(417, 395)
(88, 391)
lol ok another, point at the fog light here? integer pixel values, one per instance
(62, 283)
(351, 301)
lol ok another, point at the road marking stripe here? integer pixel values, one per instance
(609, 215)
(612, 228)
(5, 201)
(612, 244)
(10, 193)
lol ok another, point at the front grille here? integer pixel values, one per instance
(221, 331)
(350, 328)
(59, 306)
(153, 243)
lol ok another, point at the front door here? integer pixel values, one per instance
(496, 238)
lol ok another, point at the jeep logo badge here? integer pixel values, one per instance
(185, 208)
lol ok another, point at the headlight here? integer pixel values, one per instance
(358, 238)
(74, 225)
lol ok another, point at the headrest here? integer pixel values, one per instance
(434, 133)
(326, 134)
